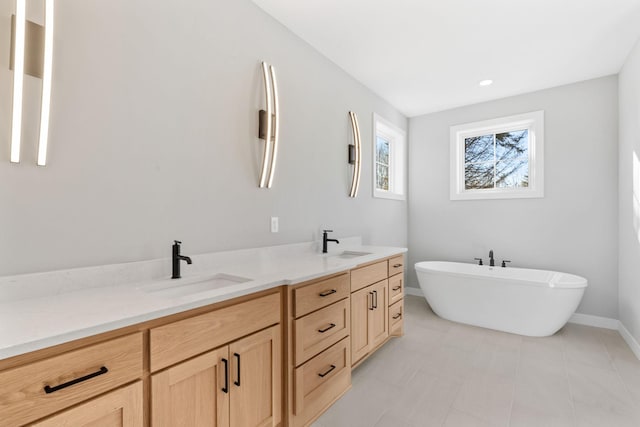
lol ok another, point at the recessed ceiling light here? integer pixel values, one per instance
(486, 82)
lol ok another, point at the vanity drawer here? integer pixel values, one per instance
(317, 295)
(396, 288)
(178, 341)
(319, 330)
(35, 390)
(396, 315)
(322, 380)
(396, 265)
(365, 276)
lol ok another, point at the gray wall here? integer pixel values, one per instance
(153, 138)
(629, 193)
(572, 229)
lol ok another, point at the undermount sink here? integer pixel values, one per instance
(351, 254)
(193, 285)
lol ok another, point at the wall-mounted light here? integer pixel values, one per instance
(269, 126)
(46, 83)
(19, 36)
(31, 53)
(354, 156)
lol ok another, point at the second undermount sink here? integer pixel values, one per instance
(192, 285)
(351, 254)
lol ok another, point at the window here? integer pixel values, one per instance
(389, 160)
(498, 159)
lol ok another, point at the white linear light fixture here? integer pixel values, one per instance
(269, 126)
(46, 83)
(18, 79)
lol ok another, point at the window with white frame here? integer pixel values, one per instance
(498, 159)
(389, 160)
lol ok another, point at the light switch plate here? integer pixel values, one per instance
(274, 224)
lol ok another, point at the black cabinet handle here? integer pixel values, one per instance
(371, 307)
(327, 373)
(327, 293)
(237, 356)
(49, 389)
(226, 376)
(331, 325)
(397, 316)
(396, 288)
(375, 296)
(397, 265)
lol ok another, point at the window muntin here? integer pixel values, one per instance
(499, 158)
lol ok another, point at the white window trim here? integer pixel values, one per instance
(533, 121)
(397, 159)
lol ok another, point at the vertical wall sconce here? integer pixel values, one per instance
(268, 126)
(19, 36)
(354, 154)
(31, 53)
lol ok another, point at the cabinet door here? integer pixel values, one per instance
(193, 392)
(256, 379)
(119, 408)
(361, 305)
(379, 316)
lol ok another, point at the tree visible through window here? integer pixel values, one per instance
(499, 160)
(382, 163)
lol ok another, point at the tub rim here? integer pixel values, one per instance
(554, 283)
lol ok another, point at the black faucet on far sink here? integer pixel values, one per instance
(325, 240)
(176, 259)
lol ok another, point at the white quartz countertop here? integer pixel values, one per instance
(45, 309)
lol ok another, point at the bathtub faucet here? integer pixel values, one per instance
(492, 263)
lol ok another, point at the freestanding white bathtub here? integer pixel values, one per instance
(522, 301)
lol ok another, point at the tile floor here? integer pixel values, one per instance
(448, 374)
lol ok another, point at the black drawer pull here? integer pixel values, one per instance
(327, 373)
(237, 356)
(49, 389)
(397, 316)
(226, 376)
(370, 307)
(331, 326)
(396, 288)
(397, 265)
(375, 296)
(327, 293)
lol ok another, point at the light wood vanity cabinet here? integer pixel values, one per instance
(236, 385)
(369, 319)
(119, 408)
(396, 295)
(220, 365)
(35, 390)
(376, 305)
(318, 367)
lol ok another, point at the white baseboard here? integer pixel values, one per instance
(408, 290)
(597, 321)
(629, 339)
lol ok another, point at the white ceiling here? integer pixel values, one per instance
(429, 55)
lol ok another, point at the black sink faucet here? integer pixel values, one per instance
(325, 239)
(176, 258)
(492, 263)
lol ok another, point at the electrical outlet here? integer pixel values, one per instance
(274, 224)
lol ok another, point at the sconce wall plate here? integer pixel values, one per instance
(269, 126)
(33, 47)
(355, 155)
